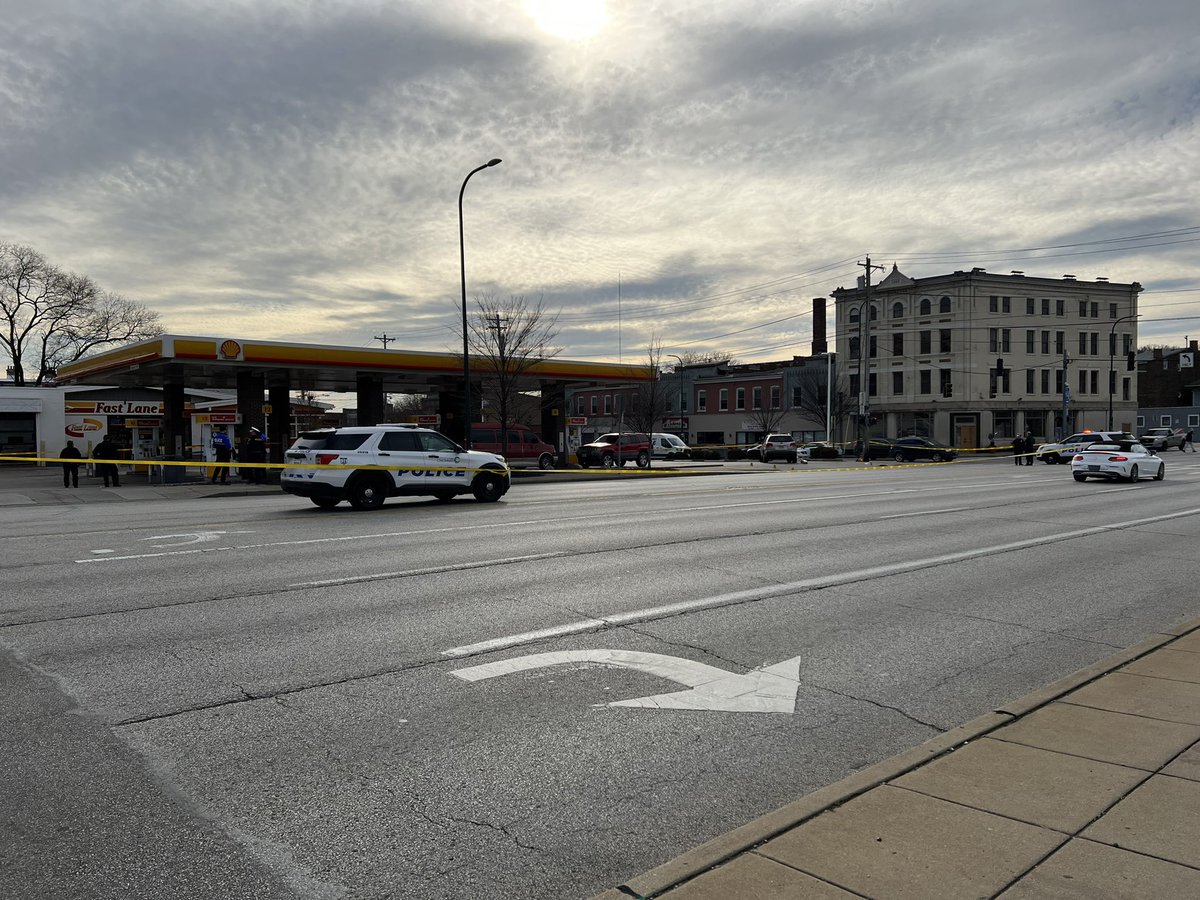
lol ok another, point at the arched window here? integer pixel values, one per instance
(944, 306)
(897, 310)
(874, 312)
(926, 306)
(854, 317)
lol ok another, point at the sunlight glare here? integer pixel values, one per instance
(568, 19)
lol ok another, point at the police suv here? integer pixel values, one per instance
(369, 463)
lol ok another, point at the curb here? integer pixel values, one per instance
(723, 848)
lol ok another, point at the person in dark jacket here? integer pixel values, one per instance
(106, 449)
(70, 469)
(254, 450)
(1030, 448)
(1018, 449)
(1187, 442)
(223, 450)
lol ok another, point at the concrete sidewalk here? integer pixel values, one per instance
(43, 485)
(1089, 788)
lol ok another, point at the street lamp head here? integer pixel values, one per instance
(494, 162)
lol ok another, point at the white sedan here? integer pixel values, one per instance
(1123, 461)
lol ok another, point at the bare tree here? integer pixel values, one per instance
(649, 404)
(767, 418)
(810, 398)
(507, 338)
(405, 407)
(695, 357)
(55, 317)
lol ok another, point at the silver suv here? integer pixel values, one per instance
(369, 463)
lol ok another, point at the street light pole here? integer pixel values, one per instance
(1112, 374)
(680, 370)
(462, 261)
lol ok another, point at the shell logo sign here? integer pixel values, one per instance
(231, 349)
(83, 426)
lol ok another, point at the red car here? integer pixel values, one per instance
(616, 449)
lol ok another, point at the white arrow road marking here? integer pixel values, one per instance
(770, 689)
(196, 537)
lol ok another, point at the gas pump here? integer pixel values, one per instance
(575, 426)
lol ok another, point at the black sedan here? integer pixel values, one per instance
(910, 449)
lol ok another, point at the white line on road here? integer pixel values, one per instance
(929, 512)
(763, 593)
(433, 570)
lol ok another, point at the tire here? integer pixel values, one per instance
(1133, 474)
(545, 461)
(368, 492)
(1079, 476)
(643, 459)
(1162, 472)
(325, 502)
(936, 457)
(487, 488)
(792, 459)
(445, 496)
(584, 465)
(608, 461)
(1048, 459)
(898, 456)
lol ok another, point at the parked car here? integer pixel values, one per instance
(369, 463)
(1064, 451)
(781, 446)
(616, 449)
(910, 449)
(1117, 461)
(669, 446)
(820, 450)
(525, 448)
(1163, 438)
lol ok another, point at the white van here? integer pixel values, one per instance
(668, 446)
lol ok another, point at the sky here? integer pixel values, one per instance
(686, 172)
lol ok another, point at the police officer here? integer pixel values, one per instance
(223, 450)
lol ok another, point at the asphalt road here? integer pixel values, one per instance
(541, 697)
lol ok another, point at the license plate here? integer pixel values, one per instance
(1093, 468)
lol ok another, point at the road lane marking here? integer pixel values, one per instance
(648, 614)
(767, 689)
(432, 570)
(193, 537)
(928, 512)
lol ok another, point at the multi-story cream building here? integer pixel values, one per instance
(972, 358)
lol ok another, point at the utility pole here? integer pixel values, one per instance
(1066, 396)
(386, 339)
(864, 379)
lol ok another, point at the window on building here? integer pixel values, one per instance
(1045, 381)
(1095, 310)
(1083, 381)
(898, 344)
(756, 397)
(873, 348)
(872, 384)
(1126, 343)
(723, 400)
(595, 404)
(1045, 342)
(943, 340)
(993, 340)
(854, 316)
(1030, 341)
(1164, 420)
(1006, 340)
(1045, 306)
(897, 383)
(926, 381)
(945, 385)
(993, 303)
(1094, 343)
(926, 341)
(944, 305)
(1112, 311)
(608, 404)
(1095, 379)
(855, 387)
(1125, 389)
(1082, 343)
(1060, 307)
(776, 399)
(1030, 379)
(683, 402)
(739, 400)
(874, 312)
(897, 310)
(1141, 422)
(1058, 381)
(926, 307)
(1083, 309)
(1112, 344)
(701, 401)
(1060, 342)
(1193, 418)
(579, 405)
(855, 346)
(1030, 306)
(1006, 304)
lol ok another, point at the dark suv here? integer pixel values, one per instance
(613, 450)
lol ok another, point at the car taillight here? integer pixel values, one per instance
(1118, 459)
(1079, 458)
(325, 459)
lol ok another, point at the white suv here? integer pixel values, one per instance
(369, 463)
(1064, 451)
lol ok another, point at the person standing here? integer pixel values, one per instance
(254, 450)
(1018, 445)
(223, 450)
(106, 449)
(1030, 447)
(1187, 442)
(70, 469)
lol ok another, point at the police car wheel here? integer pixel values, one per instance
(325, 502)
(367, 493)
(487, 488)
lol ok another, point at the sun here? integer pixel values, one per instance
(568, 19)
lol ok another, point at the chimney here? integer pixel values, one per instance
(819, 343)
(1192, 344)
